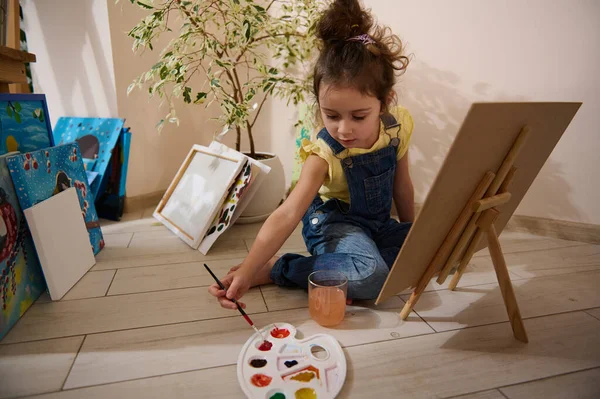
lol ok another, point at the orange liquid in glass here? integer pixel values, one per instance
(327, 306)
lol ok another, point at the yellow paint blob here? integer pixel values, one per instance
(11, 144)
(304, 377)
(306, 393)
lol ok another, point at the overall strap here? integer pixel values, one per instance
(388, 120)
(335, 146)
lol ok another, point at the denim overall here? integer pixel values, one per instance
(359, 239)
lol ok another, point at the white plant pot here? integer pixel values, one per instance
(269, 194)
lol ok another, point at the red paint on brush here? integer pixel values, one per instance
(247, 319)
(265, 346)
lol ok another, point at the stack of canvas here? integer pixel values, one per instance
(49, 232)
(209, 192)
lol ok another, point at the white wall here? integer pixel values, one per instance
(473, 50)
(465, 51)
(155, 157)
(74, 68)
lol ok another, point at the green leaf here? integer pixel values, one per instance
(215, 83)
(273, 71)
(42, 116)
(186, 95)
(259, 8)
(18, 107)
(164, 72)
(131, 87)
(247, 29)
(144, 5)
(200, 98)
(18, 118)
(9, 111)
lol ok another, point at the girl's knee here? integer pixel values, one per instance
(369, 286)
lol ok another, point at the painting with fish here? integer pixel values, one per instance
(21, 277)
(39, 175)
(24, 123)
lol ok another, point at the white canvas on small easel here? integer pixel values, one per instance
(197, 193)
(259, 171)
(61, 241)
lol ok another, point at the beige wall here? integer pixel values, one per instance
(71, 40)
(465, 51)
(155, 157)
(473, 50)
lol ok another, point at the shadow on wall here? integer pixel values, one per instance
(438, 103)
(67, 31)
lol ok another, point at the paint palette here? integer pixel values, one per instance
(286, 368)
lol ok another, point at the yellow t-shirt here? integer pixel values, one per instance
(335, 184)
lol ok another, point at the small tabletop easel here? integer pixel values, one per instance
(479, 216)
(496, 155)
(13, 78)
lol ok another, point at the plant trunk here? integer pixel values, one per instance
(251, 139)
(238, 138)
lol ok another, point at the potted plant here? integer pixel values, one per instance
(245, 51)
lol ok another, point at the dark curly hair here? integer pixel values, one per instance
(370, 68)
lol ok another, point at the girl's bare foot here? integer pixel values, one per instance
(263, 275)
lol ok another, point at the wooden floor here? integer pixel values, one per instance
(141, 324)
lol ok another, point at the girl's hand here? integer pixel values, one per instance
(237, 283)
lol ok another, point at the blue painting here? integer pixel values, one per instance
(97, 138)
(24, 123)
(21, 277)
(111, 200)
(39, 175)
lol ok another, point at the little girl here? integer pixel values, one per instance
(350, 174)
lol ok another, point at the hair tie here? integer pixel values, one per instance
(364, 39)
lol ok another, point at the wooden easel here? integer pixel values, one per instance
(474, 222)
(13, 78)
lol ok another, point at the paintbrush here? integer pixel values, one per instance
(236, 303)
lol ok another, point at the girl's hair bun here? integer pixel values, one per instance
(343, 20)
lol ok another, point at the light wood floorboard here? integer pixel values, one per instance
(93, 284)
(86, 316)
(36, 367)
(579, 385)
(165, 277)
(483, 304)
(145, 352)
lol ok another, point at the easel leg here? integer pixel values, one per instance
(506, 287)
(414, 297)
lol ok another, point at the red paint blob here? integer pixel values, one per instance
(260, 380)
(280, 332)
(265, 346)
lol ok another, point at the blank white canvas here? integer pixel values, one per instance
(200, 193)
(61, 240)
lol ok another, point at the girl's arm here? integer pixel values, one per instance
(404, 196)
(275, 231)
(282, 222)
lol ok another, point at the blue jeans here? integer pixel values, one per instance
(362, 249)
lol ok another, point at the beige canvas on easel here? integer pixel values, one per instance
(499, 145)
